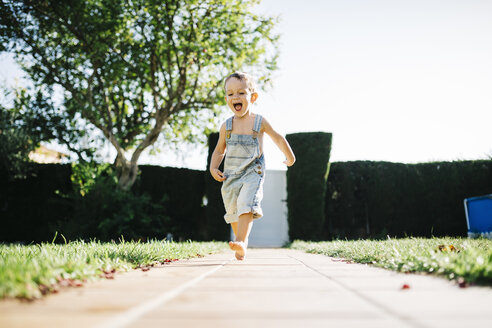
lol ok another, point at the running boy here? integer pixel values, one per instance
(244, 168)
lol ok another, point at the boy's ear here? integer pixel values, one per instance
(254, 96)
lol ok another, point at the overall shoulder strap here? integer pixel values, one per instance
(229, 123)
(257, 125)
(229, 127)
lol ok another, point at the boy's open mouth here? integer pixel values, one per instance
(238, 106)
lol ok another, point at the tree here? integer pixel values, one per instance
(30, 116)
(133, 68)
(26, 119)
(17, 140)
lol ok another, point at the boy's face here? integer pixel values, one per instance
(238, 97)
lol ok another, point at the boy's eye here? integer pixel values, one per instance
(241, 93)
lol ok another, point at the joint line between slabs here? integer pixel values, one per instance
(133, 314)
(387, 311)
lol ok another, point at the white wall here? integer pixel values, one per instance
(272, 230)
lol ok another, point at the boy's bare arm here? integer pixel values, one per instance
(218, 156)
(281, 143)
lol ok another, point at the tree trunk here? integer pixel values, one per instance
(128, 175)
(128, 169)
(127, 172)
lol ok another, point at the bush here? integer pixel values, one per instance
(373, 199)
(181, 192)
(29, 207)
(102, 211)
(82, 201)
(306, 184)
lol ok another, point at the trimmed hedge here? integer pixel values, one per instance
(217, 229)
(181, 191)
(29, 208)
(363, 200)
(373, 199)
(306, 184)
(32, 210)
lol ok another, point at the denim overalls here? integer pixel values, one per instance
(244, 169)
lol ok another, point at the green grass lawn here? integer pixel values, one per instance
(31, 271)
(471, 260)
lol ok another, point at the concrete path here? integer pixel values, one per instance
(271, 288)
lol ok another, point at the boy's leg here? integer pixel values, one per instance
(244, 227)
(242, 232)
(234, 228)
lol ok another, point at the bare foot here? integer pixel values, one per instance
(240, 248)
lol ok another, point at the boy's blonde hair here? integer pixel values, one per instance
(241, 76)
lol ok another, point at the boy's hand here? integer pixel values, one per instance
(217, 175)
(290, 162)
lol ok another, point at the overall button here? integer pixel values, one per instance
(259, 172)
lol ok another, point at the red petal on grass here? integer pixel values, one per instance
(462, 282)
(64, 283)
(341, 260)
(169, 260)
(145, 268)
(44, 289)
(108, 275)
(77, 283)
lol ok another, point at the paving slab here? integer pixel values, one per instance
(271, 288)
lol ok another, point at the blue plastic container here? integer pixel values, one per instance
(479, 216)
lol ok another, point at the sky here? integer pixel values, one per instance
(399, 81)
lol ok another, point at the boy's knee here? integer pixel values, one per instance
(248, 215)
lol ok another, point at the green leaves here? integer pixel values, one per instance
(22, 128)
(131, 68)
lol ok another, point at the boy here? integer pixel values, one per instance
(244, 168)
